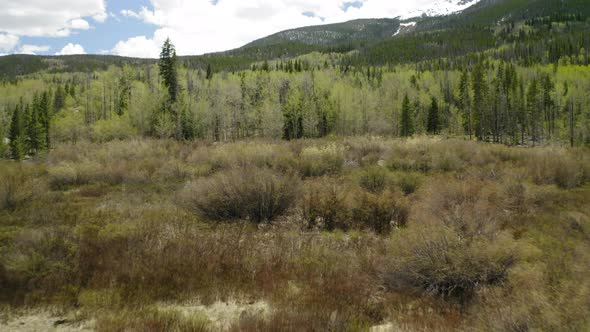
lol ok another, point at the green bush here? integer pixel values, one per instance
(408, 183)
(374, 178)
(115, 128)
(244, 193)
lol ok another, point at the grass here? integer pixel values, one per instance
(339, 234)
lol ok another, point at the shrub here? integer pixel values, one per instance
(316, 161)
(329, 205)
(566, 170)
(408, 183)
(63, 176)
(374, 178)
(326, 205)
(380, 212)
(364, 151)
(115, 128)
(245, 193)
(439, 260)
(16, 186)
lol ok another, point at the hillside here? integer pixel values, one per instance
(487, 25)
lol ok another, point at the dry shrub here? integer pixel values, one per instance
(380, 212)
(440, 260)
(245, 193)
(364, 151)
(18, 184)
(325, 204)
(455, 243)
(374, 178)
(329, 205)
(566, 169)
(319, 161)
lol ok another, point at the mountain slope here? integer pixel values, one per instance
(514, 27)
(351, 32)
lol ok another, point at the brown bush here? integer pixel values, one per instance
(566, 169)
(380, 212)
(245, 193)
(325, 204)
(439, 260)
(17, 185)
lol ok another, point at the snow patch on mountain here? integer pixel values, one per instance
(441, 7)
(404, 27)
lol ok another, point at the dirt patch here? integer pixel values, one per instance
(35, 321)
(222, 314)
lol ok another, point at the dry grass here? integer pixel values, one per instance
(417, 235)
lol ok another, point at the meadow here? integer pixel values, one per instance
(332, 234)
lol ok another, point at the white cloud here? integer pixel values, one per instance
(138, 47)
(79, 24)
(32, 49)
(200, 26)
(129, 13)
(42, 18)
(70, 49)
(100, 17)
(8, 42)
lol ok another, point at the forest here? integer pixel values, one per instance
(435, 181)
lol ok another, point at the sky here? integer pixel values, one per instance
(137, 28)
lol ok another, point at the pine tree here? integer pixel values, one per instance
(532, 107)
(406, 123)
(44, 117)
(59, 99)
(34, 129)
(168, 70)
(479, 96)
(16, 135)
(209, 74)
(433, 118)
(465, 103)
(124, 92)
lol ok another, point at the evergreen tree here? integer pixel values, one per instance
(124, 92)
(433, 118)
(44, 117)
(406, 123)
(59, 98)
(479, 97)
(209, 74)
(465, 103)
(532, 107)
(168, 70)
(549, 111)
(34, 129)
(17, 135)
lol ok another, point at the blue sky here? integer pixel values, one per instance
(138, 27)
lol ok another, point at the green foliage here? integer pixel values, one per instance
(116, 128)
(406, 122)
(168, 69)
(433, 118)
(17, 135)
